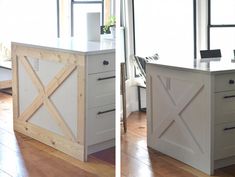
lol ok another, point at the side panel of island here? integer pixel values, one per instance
(51, 99)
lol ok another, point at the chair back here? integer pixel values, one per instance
(140, 64)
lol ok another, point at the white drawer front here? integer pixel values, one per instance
(101, 63)
(224, 140)
(101, 89)
(224, 107)
(100, 124)
(225, 82)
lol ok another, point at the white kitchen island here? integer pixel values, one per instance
(191, 112)
(64, 93)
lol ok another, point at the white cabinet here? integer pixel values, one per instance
(101, 99)
(191, 114)
(224, 116)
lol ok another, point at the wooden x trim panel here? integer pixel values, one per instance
(174, 115)
(45, 93)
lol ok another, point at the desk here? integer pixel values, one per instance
(191, 112)
(5, 74)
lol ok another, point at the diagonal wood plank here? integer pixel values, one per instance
(174, 115)
(59, 78)
(31, 109)
(59, 119)
(32, 74)
(15, 83)
(186, 100)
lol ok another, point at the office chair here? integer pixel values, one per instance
(140, 66)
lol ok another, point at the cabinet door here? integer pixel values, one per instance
(224, 107)
(100, 124)
(224, 140)
(101, 89)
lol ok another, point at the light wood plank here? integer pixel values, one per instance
(15, 88)
(59, 142)
(31, 109)
(81, 101)
(47, 54)
(32, 74)
(59, 78)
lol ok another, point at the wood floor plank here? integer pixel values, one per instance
(139, 160)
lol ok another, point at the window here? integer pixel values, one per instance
(165, 27)
(221, 26)
(28, 19)
(79, 8)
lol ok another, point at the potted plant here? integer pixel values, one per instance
(110, 26)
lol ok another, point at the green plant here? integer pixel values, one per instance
(111, 22)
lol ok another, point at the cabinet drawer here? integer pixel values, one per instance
(101, 63)
(100, 124)
(101, 89)
(225, 82)
(224, 107)
(224, 140)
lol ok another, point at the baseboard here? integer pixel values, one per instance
(224, 162)
(100, 146)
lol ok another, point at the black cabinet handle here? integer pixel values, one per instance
(230, 96)
(105, 78)
(229, 128)
(231, 81)
(103, 112)
(105, 62)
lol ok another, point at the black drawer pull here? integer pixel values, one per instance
(231, 81)
(105, 62)
(229, 128)
(105, 78)
(230, 96)
(103, 112)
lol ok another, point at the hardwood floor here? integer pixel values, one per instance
(21, 156)
(139, 161)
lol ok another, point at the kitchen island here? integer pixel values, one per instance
(191, 111)
(64, 93)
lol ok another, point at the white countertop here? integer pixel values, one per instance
(223, 65)
(71, 44)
